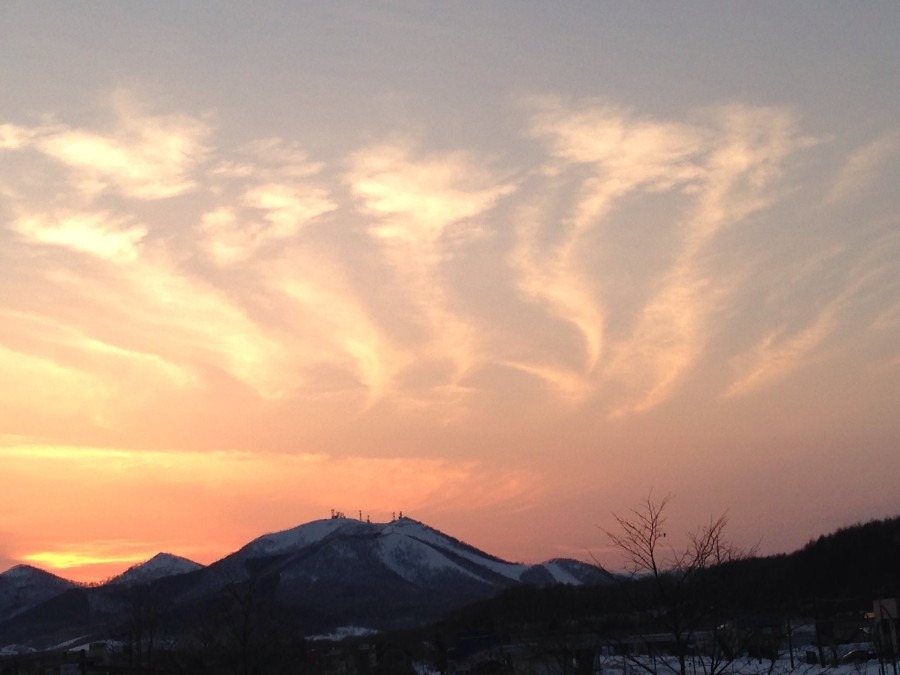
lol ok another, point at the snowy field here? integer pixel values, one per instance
(616, 665)
(519, 662)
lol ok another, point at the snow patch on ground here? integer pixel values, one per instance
(15, 650)
(68, 644)
(345, 632)
(619, 665)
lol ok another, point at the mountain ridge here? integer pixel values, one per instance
(341, 575)
(333, 572)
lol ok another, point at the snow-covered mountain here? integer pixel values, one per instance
(159, 566)
(377, 574)
(409, 549)
(23, 587)
(322, 575)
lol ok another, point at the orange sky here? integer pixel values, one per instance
(258, 265)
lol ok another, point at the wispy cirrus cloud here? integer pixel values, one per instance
(853, 311)
(889, 317)
(779, 354)
(144, 156)
(420, 198)
(46, 389)
(713, 174)
(620, 152)
(100, 233)
(14, 137)
(422, 208)
(158, 319)
(350, 278)
(66, 350)
(189, 321)
(271, 192)
(737, 177)
(863, 166)
(333, 331)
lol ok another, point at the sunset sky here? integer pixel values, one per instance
(507, 267)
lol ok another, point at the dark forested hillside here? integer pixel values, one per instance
(852, 566)
(847, 569)
(858, 561)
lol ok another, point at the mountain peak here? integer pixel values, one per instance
(20, 571)
(159, 566)
(306, 534)
(25, 586)
(27, 573)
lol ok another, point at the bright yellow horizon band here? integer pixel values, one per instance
(69, 559)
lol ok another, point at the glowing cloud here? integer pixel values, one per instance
(333, 327)
(863, 166)
(737, 175)
(712, 177)
(421, 198)
(423, 208)
(99, 234)
(14, 137)
(144, 157)
(623, 153)
(278, 195)
(287, 208)
(776, 356)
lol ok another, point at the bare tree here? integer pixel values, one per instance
(144, 609)
(243, 630)
(683, 597)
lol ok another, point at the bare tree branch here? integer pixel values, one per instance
(683, 600)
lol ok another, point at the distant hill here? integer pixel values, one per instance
(851, 567)
(23, 587)
(858, 561)
(158, 567)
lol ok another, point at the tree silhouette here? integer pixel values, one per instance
(681, 596)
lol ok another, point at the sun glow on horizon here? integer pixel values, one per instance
(204, 505)
(61, 560)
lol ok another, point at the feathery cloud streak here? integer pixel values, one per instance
(355, 280)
